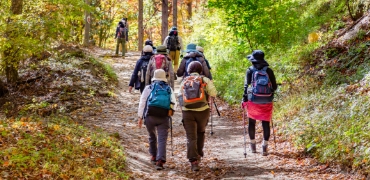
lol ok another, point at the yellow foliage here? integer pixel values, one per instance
(314, 37)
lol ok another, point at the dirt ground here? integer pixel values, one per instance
(224, 150)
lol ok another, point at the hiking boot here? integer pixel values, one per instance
(195, 166)
(264, 150)
(253, 147)
(159, 165)
(152, 160)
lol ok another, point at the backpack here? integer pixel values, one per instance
(159, 100)
(173, 43)
(159, 62)
(122, 32)
(261, 86)
(193, 92)
(187, 62)
(143, 69)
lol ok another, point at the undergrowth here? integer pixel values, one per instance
(33, 147)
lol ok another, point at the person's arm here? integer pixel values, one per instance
(142, 103)
(272, 77)
(173, 98)
(148, 73)
(210, 87)
(117, 30)
(165, 41)
(247, 82)
(180, 72)
(206, 71)
(171, 74)
(134, 75)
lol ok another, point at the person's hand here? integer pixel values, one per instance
(130, 89)
(140, 122)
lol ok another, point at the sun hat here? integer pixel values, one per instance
(191, 48)
(256, 55)
(148, 48)
(159, 75)
(161, 49)
(200, 49)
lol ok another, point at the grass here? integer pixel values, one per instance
(57, 148)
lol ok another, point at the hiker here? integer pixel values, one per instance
(156, 117)
(138, 76)
(150, 42)
(193, 55)
(257, 99)
(195, 110)
(173, 43)
(201, 50)
(160, 60)
(121, 36)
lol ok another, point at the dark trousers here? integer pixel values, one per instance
(195, 123)
(252, 129)
(157, 147)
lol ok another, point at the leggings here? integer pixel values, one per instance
(252, 129)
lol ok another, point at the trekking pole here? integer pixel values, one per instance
(272, 124)
(171, 136)
(214, 102)
(211, 120)
(245, 140)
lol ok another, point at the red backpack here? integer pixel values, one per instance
(159, 62)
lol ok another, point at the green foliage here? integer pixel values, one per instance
(109, 74)
(58, 148)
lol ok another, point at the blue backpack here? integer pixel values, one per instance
(261, 86)
(159, 100)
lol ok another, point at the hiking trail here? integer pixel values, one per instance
(223, 151)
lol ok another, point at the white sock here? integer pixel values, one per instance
(265, 143)
(253, 141)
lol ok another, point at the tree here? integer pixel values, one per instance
(87, 25)
(164, 29)
(174, 12)
(141, 26)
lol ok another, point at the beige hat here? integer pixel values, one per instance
(200, 49)
(148, 48)
(159, 75)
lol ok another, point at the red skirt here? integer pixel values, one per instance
(261, 112)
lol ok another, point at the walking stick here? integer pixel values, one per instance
(245, 140)
(272, 124)
(218, 112)
(171, 136)
(211, 120)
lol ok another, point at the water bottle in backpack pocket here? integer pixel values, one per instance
(261, 92)
(159, 100)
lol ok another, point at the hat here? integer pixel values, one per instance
(174, 28)
(149, 42)
(200, 49)
(195, 66)
(159, 75)
(148, 48)
(256, 55)
(191, 48)
(161, 49)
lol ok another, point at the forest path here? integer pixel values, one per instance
(224, 150)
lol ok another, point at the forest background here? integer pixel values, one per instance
(322, 104)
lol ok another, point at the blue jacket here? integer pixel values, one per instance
(134, 77)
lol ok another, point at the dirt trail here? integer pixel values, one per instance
(224, 151)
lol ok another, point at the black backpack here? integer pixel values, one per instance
(122, 32)
(173, 43)
(143, 69)
(188, 61)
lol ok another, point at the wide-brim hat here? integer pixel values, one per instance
(161, 49)
(257, 55)
(200, 49)
(159, 75)
(191, 48)
(148, 48)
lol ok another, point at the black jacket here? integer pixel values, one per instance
(134, 77)
(182, 68)
(258, 64)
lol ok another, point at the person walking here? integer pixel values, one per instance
(173, 43)
(257, 98)
(196, 113)
(121, 36)
(138, 75)
(157, 124)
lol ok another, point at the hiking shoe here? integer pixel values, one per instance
(152, 160)
(264, 150)
(159, 165)
(195, 166)
(253, 147)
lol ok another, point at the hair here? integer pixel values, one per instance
(195, 66)
(149, 42)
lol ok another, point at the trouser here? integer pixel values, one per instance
(195, 123)
(175, 55)
(122, 42)
(252, 129)
(157, 147)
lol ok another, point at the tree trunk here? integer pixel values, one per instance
(164, 19)
(189, 9)
(87, 26)
(174, 13)
(141, 26)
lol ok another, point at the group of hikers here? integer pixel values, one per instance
(155, 74)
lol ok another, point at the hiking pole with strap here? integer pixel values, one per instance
(171, 136)
(211, 119)
(218, 112)
(245, 140)
(272, 124)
